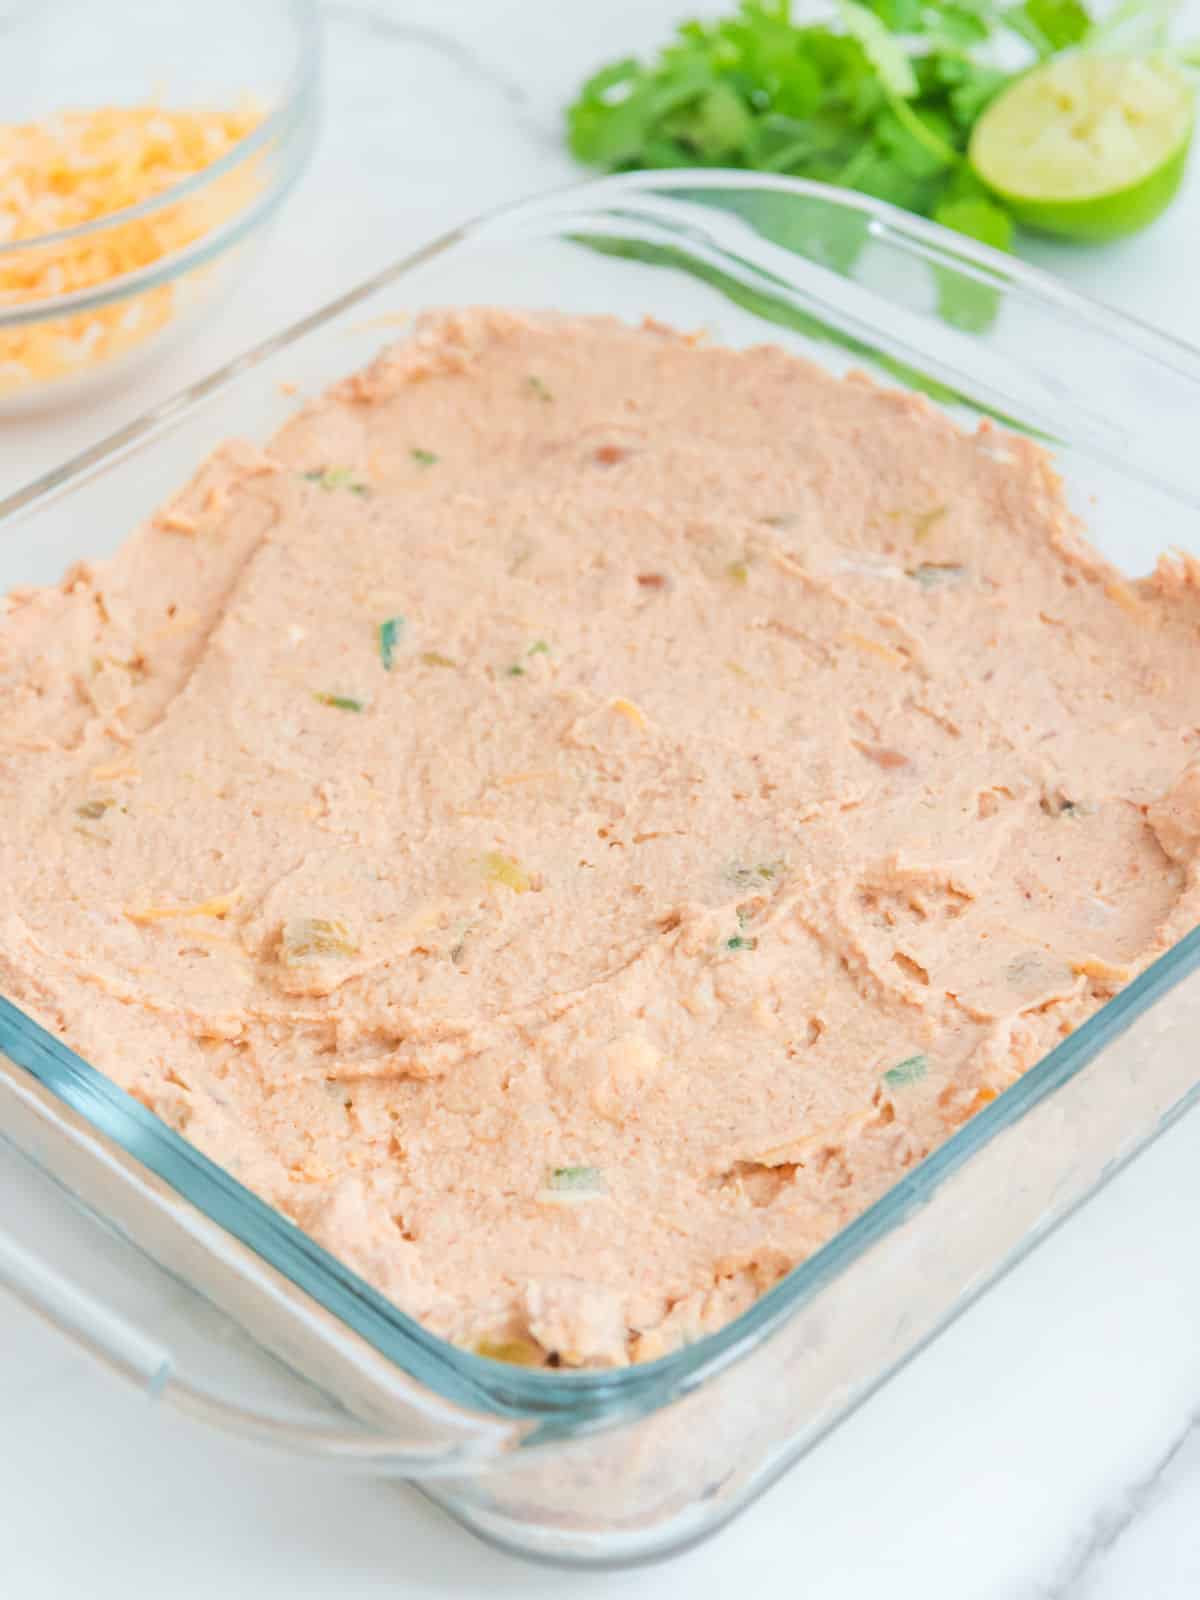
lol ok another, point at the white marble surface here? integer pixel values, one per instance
(1046, 1448)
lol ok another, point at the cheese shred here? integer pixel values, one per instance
(79, 167)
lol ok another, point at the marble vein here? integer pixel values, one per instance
(448, 45)
(1115, 1520)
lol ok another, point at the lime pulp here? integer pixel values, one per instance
(1087, 146)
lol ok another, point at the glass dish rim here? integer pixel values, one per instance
(292, 105)
(562, 1400)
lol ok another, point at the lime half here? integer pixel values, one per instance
(1087, 146)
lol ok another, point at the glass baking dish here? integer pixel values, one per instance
(163, 1265)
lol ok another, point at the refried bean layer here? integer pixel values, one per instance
(584, 810)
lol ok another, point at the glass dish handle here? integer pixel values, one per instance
(124, 1349)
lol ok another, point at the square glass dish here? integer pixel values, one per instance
(164, 1265)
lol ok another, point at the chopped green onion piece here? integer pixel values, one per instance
(423, 458)
(516, 670)
(739, 942)
(935, 575)
(435, 658)
(754, 877)
(910, 1070)
(339, 702)
(390, 633)
(537, 387)
(589, 1180)
(331, 478)
(538, 648)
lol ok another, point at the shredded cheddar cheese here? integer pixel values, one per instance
(219, 906)
(82, 166)
(895, 658)
(1124, 597)
(176, 522)
(115, 770)
(627, 708)
(1102, 971)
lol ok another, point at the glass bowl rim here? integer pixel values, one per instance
(294, 105)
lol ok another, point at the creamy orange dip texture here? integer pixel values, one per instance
(582, 812)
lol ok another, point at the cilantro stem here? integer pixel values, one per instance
(857, 165)
(923, 133)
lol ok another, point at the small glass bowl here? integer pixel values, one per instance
(63, 55)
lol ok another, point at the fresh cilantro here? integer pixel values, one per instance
(979, 219)
(971, 90)
(881, 98)
(881, 48)
(1049, 25)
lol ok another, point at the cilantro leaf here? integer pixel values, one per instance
(880, 47)
(1060, 23)
(979, 219)
(918, 141)
(958, 28)
(963, 300)
(973, 92)
(899, 16)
